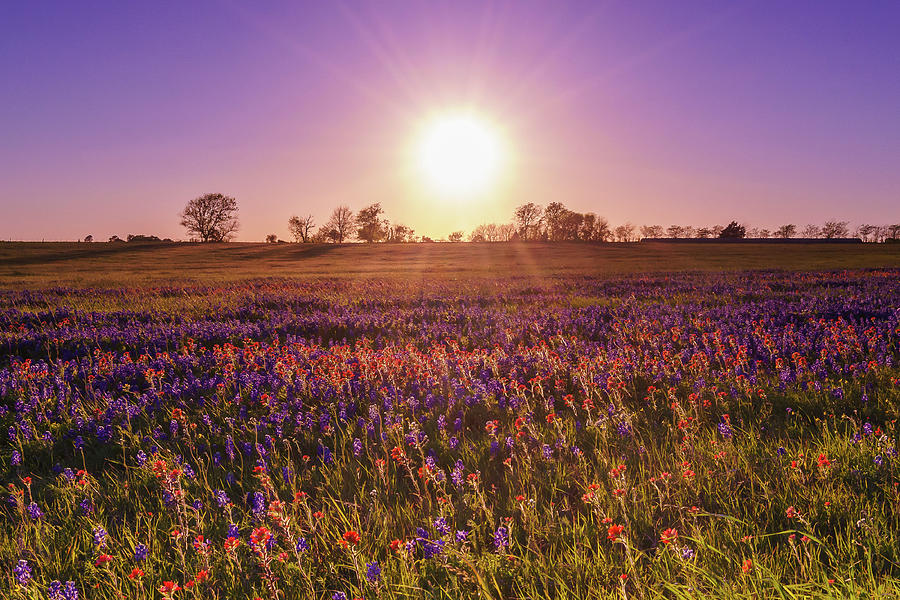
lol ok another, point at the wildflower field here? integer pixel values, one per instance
(627, 436)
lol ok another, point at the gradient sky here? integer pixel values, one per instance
(113, 115)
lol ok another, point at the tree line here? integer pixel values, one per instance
(213, 218)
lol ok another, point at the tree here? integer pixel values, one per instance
(835, 229)
(892, 231)
(271, 238)
(115, 238)
(370, 227)
(651, 231)
(733, 231)
(528, 217)
(338, 227)
(301, 229)
(675, 231)
(703, 232)
(786, 231)
(602, 232)
(624, 233)
(399, 234)
(456, 236)
(211, 217)
(868, 233)
(89, 238)
(812, 231)
(553, 218)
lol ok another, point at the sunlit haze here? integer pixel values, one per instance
(450, 114)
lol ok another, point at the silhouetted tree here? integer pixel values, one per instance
(528, 217)
(115, 238)
(370, 227)
(301, 229)
(211, 217)
(339, 225)
(868, 233)
(786, 231)
(399, 233)
(624, 233)
(835, 229)
(812, 231)
(703, 232)
(456, 236)
(651, 231)
(602, 232)
(675, 231)
(892, 231)
(733, 230)
(271, 238)
(89, 238)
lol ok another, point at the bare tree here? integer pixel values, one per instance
(301, 229)
(602, 232)
(835, 229)
(271, 238)
(528, 217)
(651, 231)
(624, 233)
(506, 232)
(892, 231)
(786, 231)
(456, 236)
(812, 231)
(211, 218)
(868, 233)
(675, 231)
(339, 225)
(703, 233)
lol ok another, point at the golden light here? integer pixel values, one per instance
(460, 154)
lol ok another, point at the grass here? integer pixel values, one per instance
(24, 265)
(754, 413)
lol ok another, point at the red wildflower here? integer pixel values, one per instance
(136, 573)
(351, 537)
(614, 532)
(102, 560)
(394, 545)
(823, 461)
(231, 544)
(259, 536)
(747, 566)
(668, 536)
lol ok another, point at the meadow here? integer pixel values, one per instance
(447, 421)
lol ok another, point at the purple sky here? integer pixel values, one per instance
(114, 115)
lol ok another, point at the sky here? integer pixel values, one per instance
(114, 114)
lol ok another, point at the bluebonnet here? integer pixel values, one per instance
(22, 572)
(99, 535)
(373, 572)
(501, 538)
(34, 511)
(140, 552)
(441, 526)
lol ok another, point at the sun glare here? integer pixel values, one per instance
(460, 155)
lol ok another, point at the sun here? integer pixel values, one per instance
(460, 154)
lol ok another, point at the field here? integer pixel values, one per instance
(444, 421)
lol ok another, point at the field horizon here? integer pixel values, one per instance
(24, 264)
